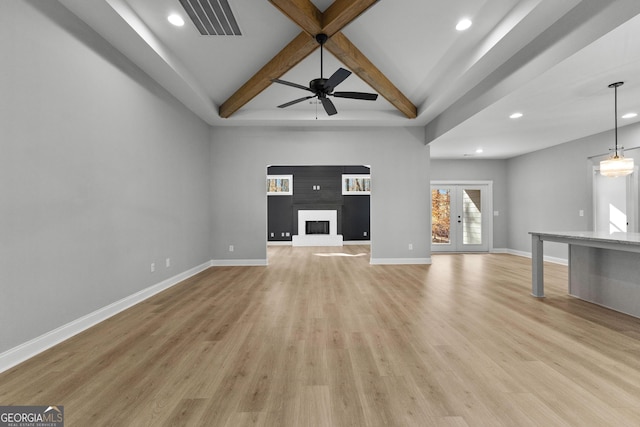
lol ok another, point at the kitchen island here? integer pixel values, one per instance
(603, 268)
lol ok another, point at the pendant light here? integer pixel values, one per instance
(616, 164)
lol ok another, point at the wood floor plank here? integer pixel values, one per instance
(321, 337)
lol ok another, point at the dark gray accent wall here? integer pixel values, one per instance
(102, 172)
(318, 187)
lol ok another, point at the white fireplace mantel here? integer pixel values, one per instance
(331, 239)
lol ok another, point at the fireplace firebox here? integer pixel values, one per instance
(317, 227)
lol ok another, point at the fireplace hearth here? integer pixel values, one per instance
(317, 228)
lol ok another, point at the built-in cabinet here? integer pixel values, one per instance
(318, 188)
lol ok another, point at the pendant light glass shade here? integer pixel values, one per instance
(617, 164)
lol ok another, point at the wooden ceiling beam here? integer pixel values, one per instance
(304, 13)
(340, 46)
(298, 49)
(343, 12)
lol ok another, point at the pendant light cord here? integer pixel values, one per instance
(615, 112)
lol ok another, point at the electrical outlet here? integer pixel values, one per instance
(496, 213)
(364, 234)
(581, 212)
(287, 234)
(272, 234)
(410, 246)
(153, 267)
(231, 248)
(167, 262)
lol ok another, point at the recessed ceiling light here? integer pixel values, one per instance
(479, 150)
(629, 115)
(516, 115)
(463, 24)
(176, 20)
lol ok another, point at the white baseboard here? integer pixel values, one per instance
(499, 251)
(19, 354)
(238, 262)
(546, 258)
(399, 261)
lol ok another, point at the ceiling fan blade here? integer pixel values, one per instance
(284, 82)
(337, 78)
(328, 106)
(357, 95)
(295, 101)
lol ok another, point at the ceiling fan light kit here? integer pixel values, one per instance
(323, 88)
(616, 165)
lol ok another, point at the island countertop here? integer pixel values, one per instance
(604, 268)
(618, 240)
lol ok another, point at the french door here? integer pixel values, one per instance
(460, 217)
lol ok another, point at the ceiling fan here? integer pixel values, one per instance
(322, 88)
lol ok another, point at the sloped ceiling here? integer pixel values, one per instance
(549, 59)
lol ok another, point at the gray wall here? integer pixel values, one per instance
(480, 170)
(399, 160)
(101, 173)
(548, 188)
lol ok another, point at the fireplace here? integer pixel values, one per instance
(317, 227)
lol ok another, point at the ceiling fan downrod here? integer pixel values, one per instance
(321, 38)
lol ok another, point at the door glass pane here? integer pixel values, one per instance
(471, 217)
(440, 215)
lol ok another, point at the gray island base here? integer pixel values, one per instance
(603, 268)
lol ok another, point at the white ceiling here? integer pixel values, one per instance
(550, 59)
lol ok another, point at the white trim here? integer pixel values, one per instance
(499, 251)
(27, 350)
(546, 258)
(400, 261)
(238, 262)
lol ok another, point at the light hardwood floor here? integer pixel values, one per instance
(320, 337)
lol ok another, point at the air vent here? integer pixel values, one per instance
(212, 17)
